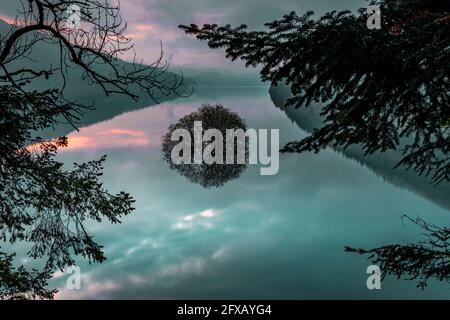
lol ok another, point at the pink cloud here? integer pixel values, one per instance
(91, 137)
(208, 213)
(90, 289)
(7, 19)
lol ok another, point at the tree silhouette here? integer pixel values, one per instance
(207, 175)
(382, 89)
(22, 284)
(417, 261)
(41, 201)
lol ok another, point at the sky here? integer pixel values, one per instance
(152, 20)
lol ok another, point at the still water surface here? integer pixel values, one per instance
(275, 237)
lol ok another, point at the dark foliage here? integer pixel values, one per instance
(382, 89)
(207, 175)
(42, 202)
(21, 284)
(422, 261)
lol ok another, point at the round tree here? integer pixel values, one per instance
(207, 175)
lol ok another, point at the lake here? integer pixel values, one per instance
(257, 237)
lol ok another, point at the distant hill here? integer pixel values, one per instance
(202, 82)
(78, 89)
(4, 27)
(380, 163)
(45, 55)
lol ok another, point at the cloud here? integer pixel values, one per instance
(146, 243)
(208, 213)
(92, 138)
(192, 221)
(154, 20)
(7, 19)
(164, 275)
(149, 21)
(221, 254)
(90, 289)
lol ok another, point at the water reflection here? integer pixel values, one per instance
(213, 171)
(381, 163)
(278, 236)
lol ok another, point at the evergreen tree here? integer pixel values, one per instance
(382, 89)
(42, 202)
(379, 87)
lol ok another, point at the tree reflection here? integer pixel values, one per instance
(207, 175)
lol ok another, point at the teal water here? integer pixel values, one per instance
(258, 237)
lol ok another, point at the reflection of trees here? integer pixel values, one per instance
(421, 261)
(42, 202)
(383, 90)
(391, 87)
(207, 175)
